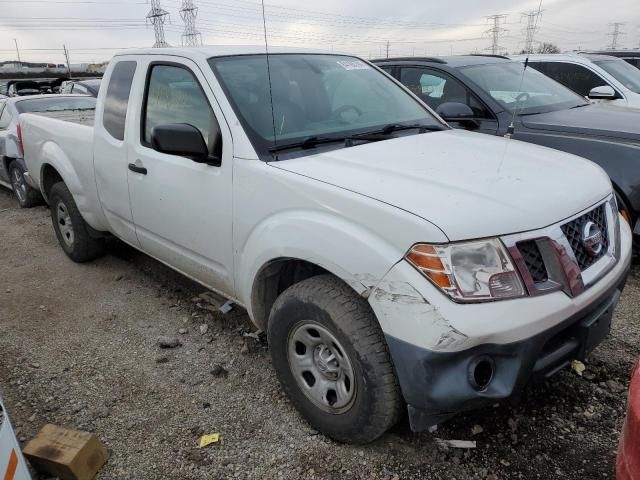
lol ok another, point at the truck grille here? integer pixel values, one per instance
(533, 260)
(573, 232)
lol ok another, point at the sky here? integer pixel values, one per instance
(93, 29)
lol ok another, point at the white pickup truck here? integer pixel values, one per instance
(391, 260)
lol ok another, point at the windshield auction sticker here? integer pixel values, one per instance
(352, 64)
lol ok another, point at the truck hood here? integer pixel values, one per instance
(600, 120)
(468, 184)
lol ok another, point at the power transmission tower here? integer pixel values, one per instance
(191, 37)
(157, 16)
(496, 32)
(615, 34)
(532, 27)
(388, 45)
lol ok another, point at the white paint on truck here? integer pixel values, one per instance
(356, 209)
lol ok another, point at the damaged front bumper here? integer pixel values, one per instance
(438, 385)
(452, 357)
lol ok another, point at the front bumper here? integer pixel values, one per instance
(438, 385)
(435, 343)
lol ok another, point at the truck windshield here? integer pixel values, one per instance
(538, 93)
(315, 98)
(55, 104)
(625, 73)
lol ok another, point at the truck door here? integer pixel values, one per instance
(110, 149)
(182, 208)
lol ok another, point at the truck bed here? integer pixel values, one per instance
(81, 117)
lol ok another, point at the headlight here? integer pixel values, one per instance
(470, 271)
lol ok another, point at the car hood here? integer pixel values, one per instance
(468, 184)
(598, 119)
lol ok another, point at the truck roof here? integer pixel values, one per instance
(219, 51)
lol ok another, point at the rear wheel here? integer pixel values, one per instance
(26, 195)
(71, 229)
(332, 360)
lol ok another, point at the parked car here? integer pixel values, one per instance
(628, 463)
(486, 94)
(389, 258)
(631, 56)
(13, 172)
(600, 78)
(83, 87)
(12, 463)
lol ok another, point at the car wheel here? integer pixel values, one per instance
(26, 195)
(332, 360)
(71, 229)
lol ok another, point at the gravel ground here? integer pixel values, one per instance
(79, 348)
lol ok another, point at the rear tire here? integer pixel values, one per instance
(71, 229)
(26, 195)
(332, 360)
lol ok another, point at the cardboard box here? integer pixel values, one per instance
(66, 454)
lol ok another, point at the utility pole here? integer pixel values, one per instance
(496, 32)
(531, 29)
(388, 45)
(157, 17)
(191, 37)
(615, 34)
(18, 52)
(66, 55)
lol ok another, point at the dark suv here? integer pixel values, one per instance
(488, 93)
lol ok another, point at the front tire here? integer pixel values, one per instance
(26, 195)
(71, 229)
(332, 360)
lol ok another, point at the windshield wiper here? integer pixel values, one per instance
(373, 136)
(396, 127)
(309, 142)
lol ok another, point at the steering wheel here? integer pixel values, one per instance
(345, 108)
(523, 97)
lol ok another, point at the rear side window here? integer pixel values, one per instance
(117, 99)
(575, 77)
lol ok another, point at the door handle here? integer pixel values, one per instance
(135, 168)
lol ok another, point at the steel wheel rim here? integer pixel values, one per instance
(64, 223)
(19, 185)
(321, 367)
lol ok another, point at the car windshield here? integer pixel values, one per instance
(625, 73)
(538, 93)
(314, 96)
(55, 104)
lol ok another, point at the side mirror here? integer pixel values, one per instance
(459, 113)
(605, 92)
(180, 139)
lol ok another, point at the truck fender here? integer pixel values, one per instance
(54, 157)
(349, 251)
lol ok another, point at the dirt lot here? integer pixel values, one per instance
(78, 347)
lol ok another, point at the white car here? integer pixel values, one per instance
(600, 78)
(12, 167)
(12, 463)
(391, 259)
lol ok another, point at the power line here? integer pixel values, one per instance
(191, 37)
(157, 16)
(496, 31)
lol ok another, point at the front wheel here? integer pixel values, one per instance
(331, 358)
(26, 195)
(71, 229)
